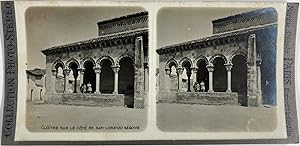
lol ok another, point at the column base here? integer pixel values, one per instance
(115, 92)
(252, 102)
(97, 92)
(210, 91)
(138, 103)
(228, 91)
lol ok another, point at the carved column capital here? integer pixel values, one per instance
(97, 70)
(81, 70)
(228, 67)
(66, 72)
(54, 72)
(168, 71)
(258, 62)
(194, 69)
(116, 68)
(210, 68)
(179, 70)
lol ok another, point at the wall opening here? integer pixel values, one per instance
(173, 85)
(239, 78)
(59, 82)
(220, 75)
(126, 81)
(106, 77)
(89, 75)
(186, 76)
(202, 73)
(74, 68)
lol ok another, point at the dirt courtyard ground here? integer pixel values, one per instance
(170, 117)
(62, 118)
(215, 118)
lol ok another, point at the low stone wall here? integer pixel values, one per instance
(206, 98)
(167, 97)
(86, 99)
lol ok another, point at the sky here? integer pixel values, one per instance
(175, 25)
(51, 26)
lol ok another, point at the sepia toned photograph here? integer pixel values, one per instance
(216, 69)
(87, 69)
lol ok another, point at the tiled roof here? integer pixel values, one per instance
(99, 39)
(216, 37)
(36, 72)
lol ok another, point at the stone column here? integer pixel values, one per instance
(252, 72)
(146, 78)
(116, 69)
(80, 74)
(194, 74)
(259, 91)
(53, 81)
(179, 74)
(139, 78)
(210, 69)
(97, 71)
(66, 74)
(228, 68)
(167, 79)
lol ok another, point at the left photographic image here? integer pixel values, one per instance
(87, 69)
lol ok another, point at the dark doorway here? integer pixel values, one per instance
(126, 81)
(106, 77)
(74, 67)
(220, 75)
(89, 75)
(202, 74)
(239, 78)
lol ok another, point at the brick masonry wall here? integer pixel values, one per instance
(123, 25)
(245, 20)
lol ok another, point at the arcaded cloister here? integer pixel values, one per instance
(236, 65)
(109, 70)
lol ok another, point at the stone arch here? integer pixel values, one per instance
(186, 65)
(124, 55)
(171, 61)
(185, 59)
(211, 60)
(100, 60)
(56, 63)
(198, 58)
(70, 61)
(235, 54)
(87, 59)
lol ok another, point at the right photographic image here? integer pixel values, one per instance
(216, 69)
